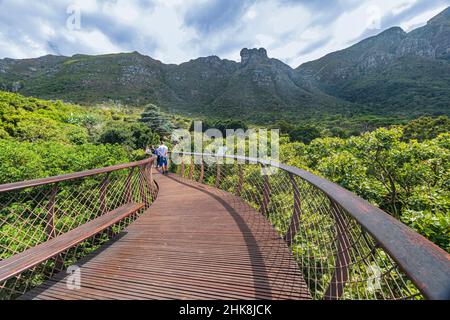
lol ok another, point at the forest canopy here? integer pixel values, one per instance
(403, 169)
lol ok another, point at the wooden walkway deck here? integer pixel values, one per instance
(195, 242)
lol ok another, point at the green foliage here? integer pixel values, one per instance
(44, 138)
(433, 225)
(29, 119)
(156, 120)
(221, 125)
(31, 160)
(131, 135)
(305, 134)
(405, 170)
(407, 178)
(426, 128)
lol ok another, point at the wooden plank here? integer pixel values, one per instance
(195, 242)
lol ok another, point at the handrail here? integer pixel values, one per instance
(39, 211)
(71, 176)
(427, 265)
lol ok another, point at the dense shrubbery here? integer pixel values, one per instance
(31, 160)
(340, 126)
(221, 125)
(43, 138)
(405, 170)
(405, 177)
(132, 135)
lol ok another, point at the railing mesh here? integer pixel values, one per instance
(32, 216)
(338, 258)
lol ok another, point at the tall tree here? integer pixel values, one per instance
(156, 120)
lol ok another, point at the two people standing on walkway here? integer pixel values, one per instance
(163, 158)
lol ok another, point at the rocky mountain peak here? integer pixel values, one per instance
(393, 32)
(256, 55)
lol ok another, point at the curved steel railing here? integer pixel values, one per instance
(35, 212)
(346, 247)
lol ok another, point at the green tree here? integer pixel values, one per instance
(156, 120)
(132, 135)
(224, 125)
(305, 134)
(426, 128)
(407, 178)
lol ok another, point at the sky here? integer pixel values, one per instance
(176, 31)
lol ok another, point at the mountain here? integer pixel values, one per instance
(130, 78)
(267, 86)
(393, 73)
(206, 86)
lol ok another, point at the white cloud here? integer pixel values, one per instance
(420, 20)
(94, 42)
(293, 31)
(402, 7)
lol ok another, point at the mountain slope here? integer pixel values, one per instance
(130, 78)
(206, 86)
(269, 87)
(394, 72)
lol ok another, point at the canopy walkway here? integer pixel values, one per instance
(218, 228)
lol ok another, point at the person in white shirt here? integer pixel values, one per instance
(163, 153)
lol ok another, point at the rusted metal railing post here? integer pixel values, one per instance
(103, 205)
(266, 195)
(103, 189)
(152, 184)
(295, 222)
(142, 182)
(50, 228)
(218, 175)
(191, 169)
(182, 168)
(202, 172)
(341, 273)
(240, 181)
(128, 193)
